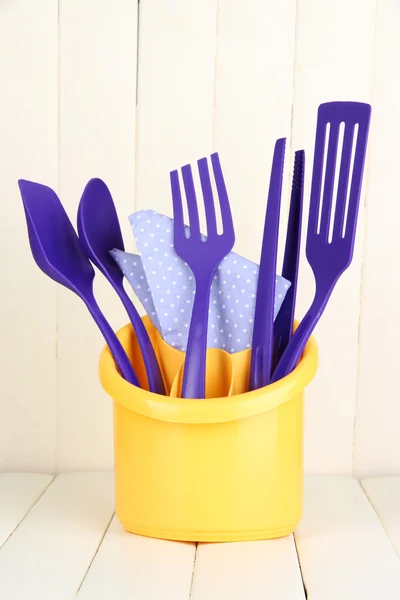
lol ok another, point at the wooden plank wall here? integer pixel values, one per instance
(126, 92)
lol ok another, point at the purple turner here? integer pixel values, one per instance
(58, 253)
(262, 344)
(99, 232)
(283, 326)
(203, 257)
(333, 215)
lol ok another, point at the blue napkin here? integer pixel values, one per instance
(165, 286)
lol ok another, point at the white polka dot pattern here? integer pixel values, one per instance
(165, 286)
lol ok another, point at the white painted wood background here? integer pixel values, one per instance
(126, 92)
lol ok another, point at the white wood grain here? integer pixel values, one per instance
(97, 139)
(48, 555)
(133, 566)
(28, 149)
(333, 62)
(18, 493)
(377, 440)
(384, 495)
(343, 549)
(251, 570)
(253, 107)
(177, 49)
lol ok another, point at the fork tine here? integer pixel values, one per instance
(179, 227)
(326, 207)
(207, 196)
(226, 215)
(343, 181)
(315, 196)
(191, 201)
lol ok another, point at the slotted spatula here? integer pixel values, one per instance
(331, 232)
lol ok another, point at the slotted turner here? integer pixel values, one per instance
(203, 257)
(330, 254)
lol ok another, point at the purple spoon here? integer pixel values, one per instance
(262, 342)
(100, 232)
(329, 258)
(58, 253)
(283, 326)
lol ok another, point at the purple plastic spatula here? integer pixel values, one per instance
(263, 327)
(57, 251)
(203, 257)
(283, 326)
(333, 214)
(99, 232)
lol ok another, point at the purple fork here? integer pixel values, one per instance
(203, 257)
(331, 232)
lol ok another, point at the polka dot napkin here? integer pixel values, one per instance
(165, 286)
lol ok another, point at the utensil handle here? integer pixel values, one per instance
(121, 359)
(283, 327)
(294, 349)
(262, 341)
(153, 371)
(194, 375)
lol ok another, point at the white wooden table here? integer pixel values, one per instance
(59, 540)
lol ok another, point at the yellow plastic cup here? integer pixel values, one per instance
(214, 470)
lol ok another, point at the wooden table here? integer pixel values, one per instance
(59, 540)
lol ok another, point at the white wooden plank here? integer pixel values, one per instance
(377, 440)
(177, 49)
(343, 549)
(18, 493)
(384, 495)
(253, 106)
(333, 62)
(132, 566)
(48, 555)
(97, 139)
(251, 570)
(28, 149)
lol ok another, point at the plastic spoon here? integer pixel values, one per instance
(58, 253)
(100, 232)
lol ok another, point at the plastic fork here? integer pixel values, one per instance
(58, 252)
(203, 255)
(262, 342)
(283, 326)
(330, 255)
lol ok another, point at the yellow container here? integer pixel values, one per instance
(213, 470)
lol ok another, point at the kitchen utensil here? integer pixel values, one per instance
(220, 380)
(165, 286)
(99, 232)
(283, 326)
(58, 253)
(262, 344)
(331, 230)
(203, 257)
